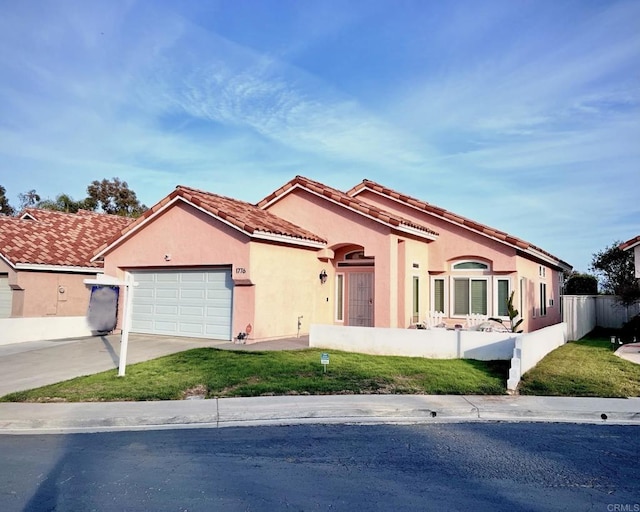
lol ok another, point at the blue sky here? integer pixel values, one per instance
(522, 115)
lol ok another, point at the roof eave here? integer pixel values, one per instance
(288, 239)
(43, 267)
(531, 251)
(402, 227)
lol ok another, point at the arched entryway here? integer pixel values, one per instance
(355, 293)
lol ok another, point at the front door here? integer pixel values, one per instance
(361, 299)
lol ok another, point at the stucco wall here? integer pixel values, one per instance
(18, 330)
(454, 242)
(533, 320)
(184, 237)
(431, 343)
(51, 294)
(287, 286)
(339, 225)
(458, 243)
(531, 348)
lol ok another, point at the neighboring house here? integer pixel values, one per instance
(634, 244)
(214, 267)
(45, 257)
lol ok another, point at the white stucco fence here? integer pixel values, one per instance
(431, 343)
(524, 350)
(531, 348)
(18, 330)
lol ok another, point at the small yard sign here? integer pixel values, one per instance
(324, 359)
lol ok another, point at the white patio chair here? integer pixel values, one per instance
(434, 319)
(474, 319)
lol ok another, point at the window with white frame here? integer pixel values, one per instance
(501, 293)
(543, 299)
(416, 299)
(469, 296)
(438, 294)
(470, 265)
(340, 297)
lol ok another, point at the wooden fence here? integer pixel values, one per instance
(583, 313)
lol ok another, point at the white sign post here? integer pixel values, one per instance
(128, 284)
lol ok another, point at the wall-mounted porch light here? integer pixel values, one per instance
(323, 276)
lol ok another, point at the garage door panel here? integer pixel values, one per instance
(192, 294)
(166, 310)
(192, 329)
(163, 293)
(197, 311)
(183, 302)
(167, 277)
(197, 277)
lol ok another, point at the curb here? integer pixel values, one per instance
(19, 418)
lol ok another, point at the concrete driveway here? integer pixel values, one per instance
(38, 363)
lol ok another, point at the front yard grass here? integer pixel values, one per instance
(586, 367)
(219, 373)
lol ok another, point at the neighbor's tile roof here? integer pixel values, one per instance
(345, 200)
(45, 237)
(630, 243)
(450, 216)
(242, 215)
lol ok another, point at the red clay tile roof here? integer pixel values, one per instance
(243, 215)
(345, 200)
(457, 219)
(56, 238)
(630, 243)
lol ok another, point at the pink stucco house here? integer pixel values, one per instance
(45, 258)
(215, 267)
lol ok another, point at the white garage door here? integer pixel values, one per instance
(5, 297)
(193, 303)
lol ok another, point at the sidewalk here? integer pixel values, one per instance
(630, 352)
(28, 418)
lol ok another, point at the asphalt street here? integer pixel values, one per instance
(461, 466)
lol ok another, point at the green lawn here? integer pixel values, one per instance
(220, 373)
(583, 368)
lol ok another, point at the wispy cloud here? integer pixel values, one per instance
(525, 116)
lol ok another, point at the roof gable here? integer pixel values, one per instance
(240, 215)
(495, 234)
(629, 244)
(44, 237)
(344, 200)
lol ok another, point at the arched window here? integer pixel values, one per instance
(470, 265)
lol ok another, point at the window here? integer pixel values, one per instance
(470, 265)
(542, 271)
(340, 297)
(438, 300)
(416, 299)
(543, 299)
(523, 290)
(502, 294)
(469, 296)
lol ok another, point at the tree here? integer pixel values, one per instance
(581, 284)
(65, 203)
(28, 199)
(114, 197)
(5, 207)
(615, 270)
